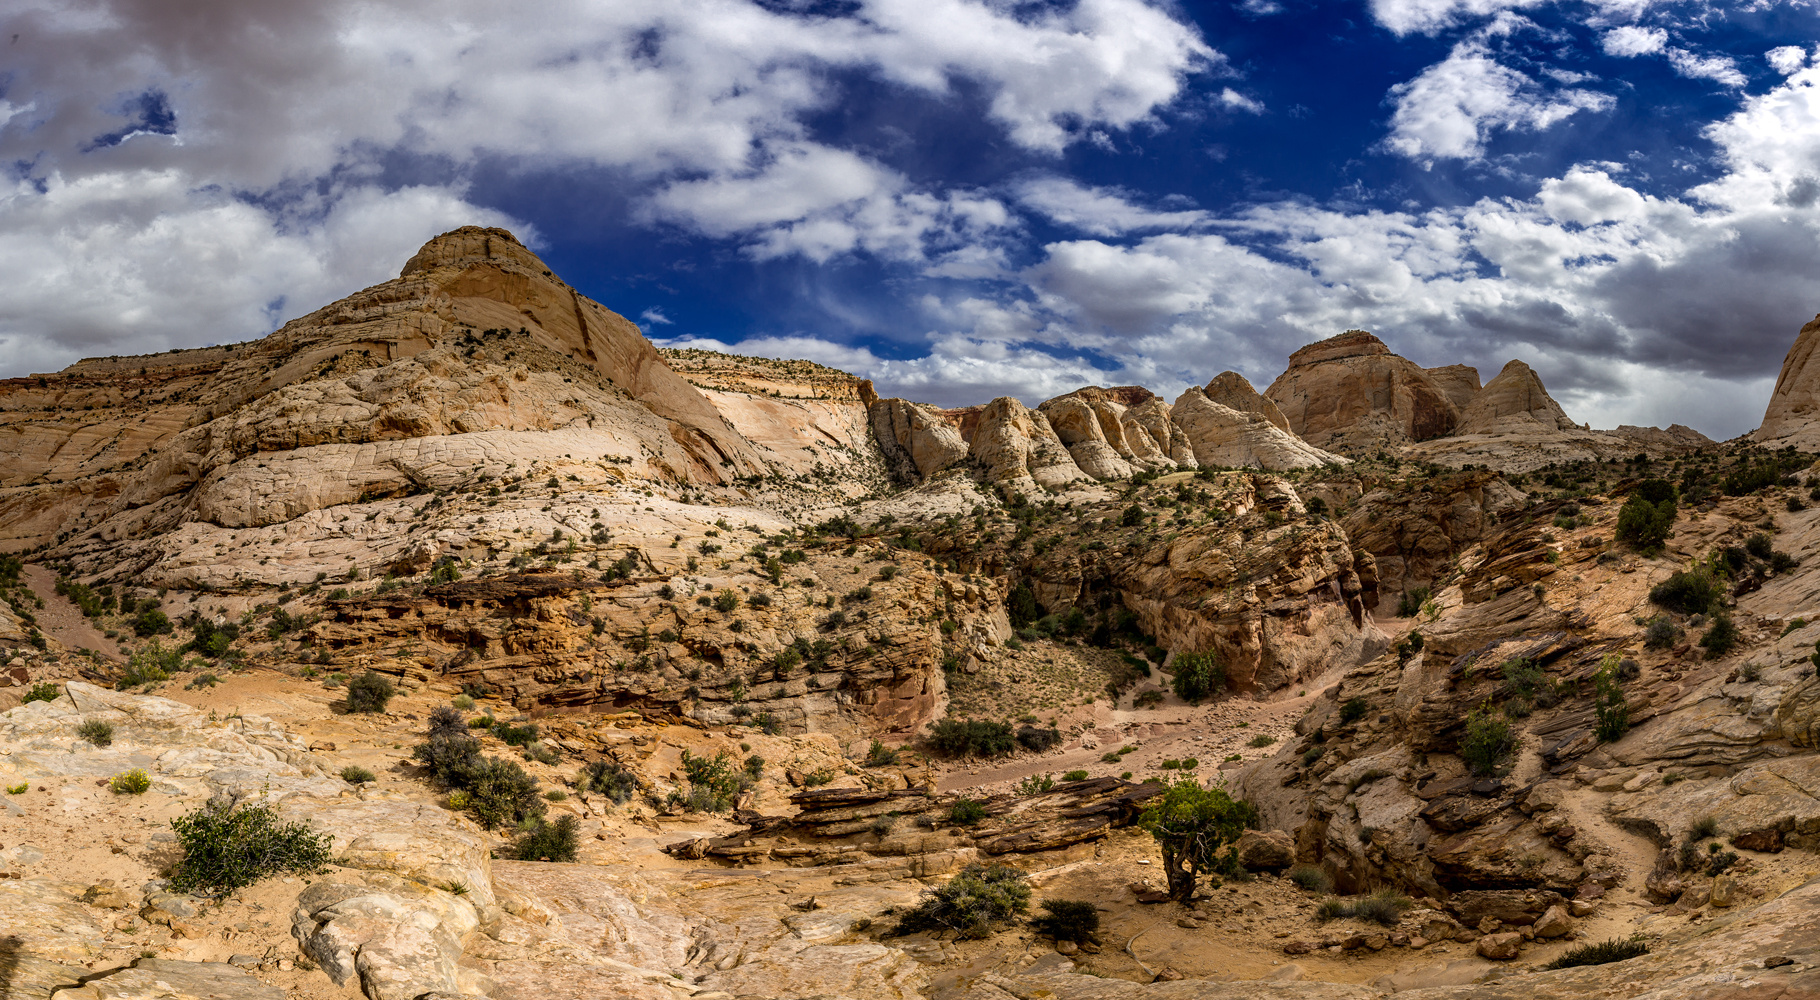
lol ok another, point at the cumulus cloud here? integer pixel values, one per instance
(248, 130)
(1452, 109)
(1431, 16)
(1786, 59)
(1694, 66)
(1098, 210)
(1631, 40)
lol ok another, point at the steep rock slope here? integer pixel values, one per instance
(1793, 414)
(1513, 402)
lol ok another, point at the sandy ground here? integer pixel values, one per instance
(62, 620)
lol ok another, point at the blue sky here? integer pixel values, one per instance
(957, 198)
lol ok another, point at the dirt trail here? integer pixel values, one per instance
(63, 621)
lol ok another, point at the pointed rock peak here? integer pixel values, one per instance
(471, 245)
(1514, 401)
(1231, 389)
(1351, 344)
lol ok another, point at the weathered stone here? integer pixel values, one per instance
(1266, 850)
(1553, 923)
(1499, 947)
(161, 979)
(1351, 390)
(1725, 891)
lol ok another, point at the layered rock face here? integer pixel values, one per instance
(1793, 415)
(1237, 439)
(1351, 390)
(1020, 451)
(1459, 382)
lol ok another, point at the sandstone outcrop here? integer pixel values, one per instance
(1351, 391)
(1020, 451)
(1792, 417)
(1512, 403)
(1222, 436)
(1459, 382)
(1232, 390)
(916, 439)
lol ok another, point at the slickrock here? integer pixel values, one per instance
(1459, 382)
(1228, 437)
(1231, 389)
(1019, 449)
(1792, 418)
(917, 441)
(1514, 402)
(1350, 390)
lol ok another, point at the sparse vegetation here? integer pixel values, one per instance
(1386, 906)
(1353, 710)
(608, 778)
(1488, 741)
(1602, 953)
(1076, 920)
(973, 904)
(133, 782)
(966, 812)
(1311, 878)
(1611, 712)
(369, 693)
(227, 847)
(97, 731)
(354, 774)
(1720, 637)
(44, 691)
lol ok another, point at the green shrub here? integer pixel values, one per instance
(1111, 758)
(462, 702)
(608, 778)
(768, 724)
(1261, 740)
(134, 782)
(715, 783)
(1410, 604)
(972, 904)
(1661, 633)
(354, 774)
(150, 622)
(880, 755)
(1075, 776)
(1759, 545)
(1311, 878)
(1386, 906)
(1074, 920)
(516, 736)
(20, 789)
(1198, 676)
(1488, 741)
(966, 812)
(971, 738)
(726, 602)
(1037, 739)
(226, 848)
(500, 793)
(1721, 637)
(369, 693)
(1603, 953)
(152, 665)
(1611, 712)
(1354, 710)
(1704, 828)
(1312, 754)
(1035, 784)
(1648, 516)
(1691, 592)
(546, 841)
(45, 691)
(96, 731)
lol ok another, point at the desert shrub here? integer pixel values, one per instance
(516, 736)
(1332, 909)
(1312, 754)
(152, 665)
(1647, 517)
(354, 774)
(1386, 906)
(1721, 861)
(1075, 776)
(1190, 823)
(1704, 828)
(880, 755)
(608, 778)
(462, 702)
(1147, 699)
(726, 601)
(41, 692)
(1035, 784)
(1782, 562)
(1354, 710)
(1074, 920)
(1021, 606)
(134, 782)
(1311, 878)
(1261, 740)
(1527, 683)
(96, 731)
(369, 693)
(1410, 604)
(1759, 545)
(715, 783)
(1661, 633)
(150, 622)
(546, 841)
(1037, 739)
(973, 904)
(500, 793)
(1721, 637)
(966, 812)
(1488, 741)
(768, 724)
(1691, 592)
(227, 847)
(971, 738)
(1603, 953)
(1198, 676)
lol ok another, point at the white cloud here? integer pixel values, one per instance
(1431, 16)
(1451, 110)
(1096, 210)
(1239, 102)
(655, 317)
(1786, 59)
(1720, 69)
(1631, 40)
(1261, 8)
(697, 106)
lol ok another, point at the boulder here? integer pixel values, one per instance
(1499, 947)
(1513, 907)
(161, 979)
(1266, 850)
(1725, 891)
(1553, 923)
(1798, 714)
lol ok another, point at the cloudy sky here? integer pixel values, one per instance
(958, 198)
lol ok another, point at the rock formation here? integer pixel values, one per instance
(1351, 390)
(1227, 437)
(1230, 389)
(1020, 451)
(1459, 382)
(916, 439)
(1793, 415)
(1513, 403)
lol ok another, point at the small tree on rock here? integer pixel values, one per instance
(1191, 823)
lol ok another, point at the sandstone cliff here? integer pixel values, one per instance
(1351, 390)
(1793, 414)
(1231, 389)
(1513, 402)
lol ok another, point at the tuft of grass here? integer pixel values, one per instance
(555, 795)
(1704, 828)
(1602, 953)
(454, 888)
(1075, 776)
(462, 702)
(1386, 906)
(354, 774)
(1311, 878)
(134, 782)
(95, 731)
(20, 789)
